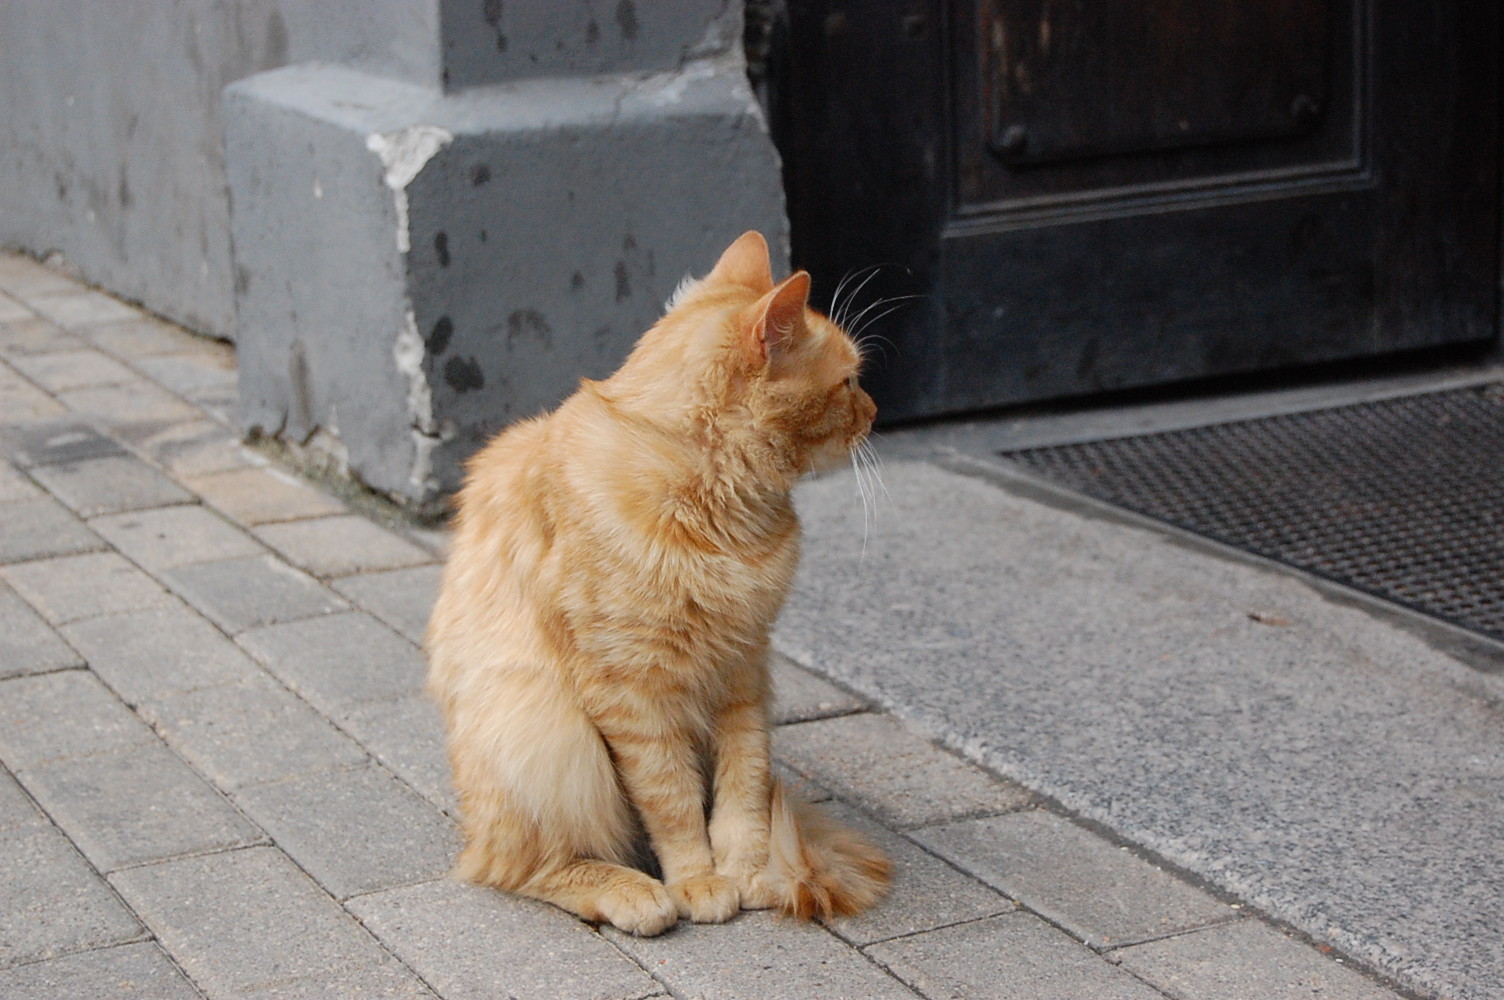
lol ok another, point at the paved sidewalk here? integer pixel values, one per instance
(221, 778)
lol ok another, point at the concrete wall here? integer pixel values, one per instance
(111, 147)
(418, 219)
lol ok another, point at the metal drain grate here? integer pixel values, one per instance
(1402, 498)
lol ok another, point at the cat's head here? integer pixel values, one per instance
(753, 360)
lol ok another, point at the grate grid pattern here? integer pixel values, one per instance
(1402, 498)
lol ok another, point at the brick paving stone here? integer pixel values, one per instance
(1015, 957)
(338, 660)
(478, 944)
(109, 485)
(262, 495)
(354, 831)
(758, 955)
(19, 338)
(1244, 960)
(237, 594)
(165, 537)
(1106, 896)
(926, 894)
(341, 545)
(51, 902)
(146, 654)
(49, 442)
(249, 733)
(402, 598)
(137, 805)
(143, 337)
(70, 588)
(210, 367)
(874, 761)
(126, 972)
(62, 715)
(801, 696)
(24, 277)
(138, 402)
(14, 486)
(406, 735)
(16, 807)
(280, 933)
(82, 308)
(196, 448)
(27, 643)
(12, 311)
(21, 401)
(59, 371)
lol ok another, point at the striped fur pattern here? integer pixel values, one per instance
(599, 645)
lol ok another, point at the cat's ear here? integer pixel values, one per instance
(745, 263)
(777, 319)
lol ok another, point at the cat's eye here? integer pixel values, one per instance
(851, 382)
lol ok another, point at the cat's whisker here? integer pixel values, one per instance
(844, 309)
(835, 298)
(859, 322)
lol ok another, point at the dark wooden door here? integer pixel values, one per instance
(1098, 194)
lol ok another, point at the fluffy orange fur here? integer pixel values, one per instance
(599, 646)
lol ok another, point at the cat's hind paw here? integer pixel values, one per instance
(706, 899)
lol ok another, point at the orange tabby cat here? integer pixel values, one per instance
(599, 646)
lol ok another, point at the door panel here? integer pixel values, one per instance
(1101, 194)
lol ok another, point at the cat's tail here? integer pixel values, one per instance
(818, 868)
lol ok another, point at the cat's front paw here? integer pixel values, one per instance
(706, 899)
(644, 908)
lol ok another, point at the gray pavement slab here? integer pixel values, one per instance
(124, 972)
(11, 310)
(16, 807)
(237, 594)
(120, 406)
(283, 935)
(1248, 960)
(165, 537)
(759, 955)
(800, 696)
(470, 943)
(192, 448)
(71, 588)
(143, 337)
(109, 485)
(339, 660)
(1015, 957)
(402, 598)
(59, 371)
(148, 653)
(927, 893)
(40, 529)
(355, 831)
(28, 645)
(21, 401)
(77, 307)
(51, 902)
(340, 545)
(249, 733)
(35, 336)
(1337, 772)
(208, 366)
(15, 486)
(1103, 894)
(136, 805)
(892, 773)
(47, 442)
(63, 715)
(407, 736)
